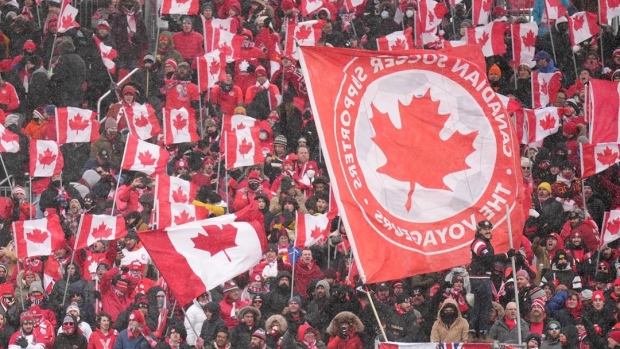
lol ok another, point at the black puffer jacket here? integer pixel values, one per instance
(69, 75)
(215, 324)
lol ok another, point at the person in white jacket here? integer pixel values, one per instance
(194, 317)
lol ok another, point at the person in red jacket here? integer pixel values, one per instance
(226, 95)
(344, 331)
(127, 199)
(179, 94)
(26, 337)
(262, 84)
(9, 100)
(116, 292)
(104, 335)
(188, 42)
(248, 62)
(305, 271)
(231, 304)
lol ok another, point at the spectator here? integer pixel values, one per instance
(104, 335)
(344, 331)
(165, 49)
(70, 336)
(26, 337)
(213, 323)
(450, 325)
(505, 330)
(188, 42)
(196, 315)
(69, 75)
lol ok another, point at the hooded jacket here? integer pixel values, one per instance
(353, 340)
(215, 324)
(241, 335)
(71, 341)
(274, 335)
(76, 284)
(171, 53)
(456, 332)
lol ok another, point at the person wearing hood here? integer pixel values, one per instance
(302, 337)
(561, 272)
(241, 335)
(317, 311)
(85, 310)
(450, 326)
(276, 300)
(344, 332)
(402, 325)
(213, 323)
(104, 335)
(72, 279)
(572, 310)
(275, 327)
(115, 294)
(69, 336)
(176, 337)
(195, 316)
(84, 328)
(166, 50)
(130, 36)
(137, 335)
(69, 75)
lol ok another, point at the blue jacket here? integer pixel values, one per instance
(123, 342)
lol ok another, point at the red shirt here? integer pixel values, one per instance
(227, 101)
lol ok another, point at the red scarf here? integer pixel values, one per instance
(511, 323)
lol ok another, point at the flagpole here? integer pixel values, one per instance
(49, 68)
(21, 295)
(199, 97)
(294, 251)
(6, 172)
(516, 64)
(219, 162)
(374, 310)
(575, 65)
(120, 173)
(227, 187)
(77, 238)
(551, 36)
(583, 190)
(514, 273)
(30, 190)
(163, 112)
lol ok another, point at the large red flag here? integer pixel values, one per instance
(582, 26)
(211, 69)
(489, 37)
(45, 158)
(9, 141)
(179, 126)
(75, 125)
(242, 147)
(144, 157)
(523, 42)
(141, 120)
(597, 158)
(603, 110)
(38, 237)
(174, 189)
(545, 87)
(99, 227)
(414, 216)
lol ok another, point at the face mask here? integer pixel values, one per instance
(448, 317)
(160, 303)
(68, 329)
(310, 173)
(226, 87)
(409, 13)
(56, 184)
(253, 186)
(111, 133)
(202, 304)
(384, 14)
(36, 300)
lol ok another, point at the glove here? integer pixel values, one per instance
(251, 68)
(97, 294)
(533, 213)
(4, 107)
(606, 70)
(22, 342)
(511, 253)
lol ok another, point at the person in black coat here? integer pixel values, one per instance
(17, 162)
(69, 75)
(402, 324)
(38, 93)
(213, 324)
(130, 45)
(70, 338)
(57, 196)
(241, 335)
(77, 286)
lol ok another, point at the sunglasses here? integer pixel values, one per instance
(554, 328)
(68, 323)
(525, 167)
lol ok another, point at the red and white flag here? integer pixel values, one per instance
(76, 125)
(242, 148)
(523, 42)
(94, 227)
(211, 69)
(66, 18)
(480, 11)
(228, 43)
(310, 6)
(38, 237)
(540, 123)
(597, 158)
(180, 7)
(429, 15)
(351, 4)
(108, 54)
(511, 105)
(545, 87)
(302, 34)
(611, 227)
(238, 121)
(603, 109)
(171, 214)
(489, 37)
(204, 254)
(9, 141)
(179, 126)
(141, 120)
(174, 189)
(45, 158)
(399, 40)
(144, 157)
(582, 26)
(312, 229)
(211, 31)
(554, 9)
(608, 10)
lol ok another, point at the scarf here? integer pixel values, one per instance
(131, 23)
(246, 45)
(399, 310)
(310, 345)
(511, 323)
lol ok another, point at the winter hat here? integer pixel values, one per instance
(260, 70)
(526, 162)
(615, 333)
(36, 286)
(260, 333)
(495, 70)
(136, 315)
(230, 286)
(187, 20)
(286, 5)
(325, 285)
(26, 316)
(570, 128)
(498, 11)
(280, 140)
(110, 123)
(295, 299)
(254, 175)
(554, 322)
(129, 90)
(18, 190)
(524, 274)
(29, 46)
(402, 298)
(171, 62)
(562, 19)
(103, 24)
(545, 186)
(586, 295)
(11, 119)
(38, 114)
(598, 295)
(73, 306)
(538, 302)
(534, 337)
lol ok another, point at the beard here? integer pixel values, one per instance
(536, 317)
(284, 288)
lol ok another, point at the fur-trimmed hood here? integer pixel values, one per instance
(342, 317)
(251, 309)
(446, 302)
(279, 319)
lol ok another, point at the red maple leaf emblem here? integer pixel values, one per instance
(67, 21)
(529, 40)
(613, 226)
(483, 38)
(245, 147)
(47, 157)
(578, 22)
(179, 122)
(399, 44)
(486, 5)
(544, 88)
(217, 239)
(179, 196)
(411, 115)
(431, 17)
(7, 137)
(214, 68)
(317, 233)
(241, 126)
(607, 157)
(183, 217)
(37, 236)
(613, 3)
(141, 121)
(226, 49)
(108, 55)
(101, 232)
(548, 122)
(78, 123)
(303, 33)
(146, 158)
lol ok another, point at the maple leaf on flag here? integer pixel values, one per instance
(486, 5)
(431, 17)
(302, 33)
(47, 157)
(607, 157)
(245, 147)
(483, 38)
(183, 217)
(78, 123)
(529, 40)
(101, 232)
(226, 49)
(578, 22)
(109, 55)
(399, 44)
(217, 239)
(548, 122)
(67, 21)
(613, 226)
(141, 121)
(410, 115)
(146, 158)
(214, 68)
(37, 236)
(7, 137)
(544, 87)
(179, 122)
(179, 196)
(316, 233)
(241, 126)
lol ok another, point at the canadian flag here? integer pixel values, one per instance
(144, 157)
(399, 40)
(603, 108)
(242, 148)
(228, 43)
(312, 229)
(95, 227)
(66, 18)
(238, 121)
(302, 34)
(489, 37)
(76, 125)
(108, 54)
(9, 141)
(554, 9)
(211, 69)
(174, 189)
(211, 28)
(45, 158)
(310, 6)
(171, 214)
(429, 15)
(141, 120)
(204, 254)
(180, 7)
(523, 42)
(540, 123)
(598, 157)
(38, 237)
(611, 227)
(608, 9)
(582, 26)
(480, 10)
(510, 104)
(179, 126)
(545, 87)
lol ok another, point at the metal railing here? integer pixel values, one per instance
(110, 91)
